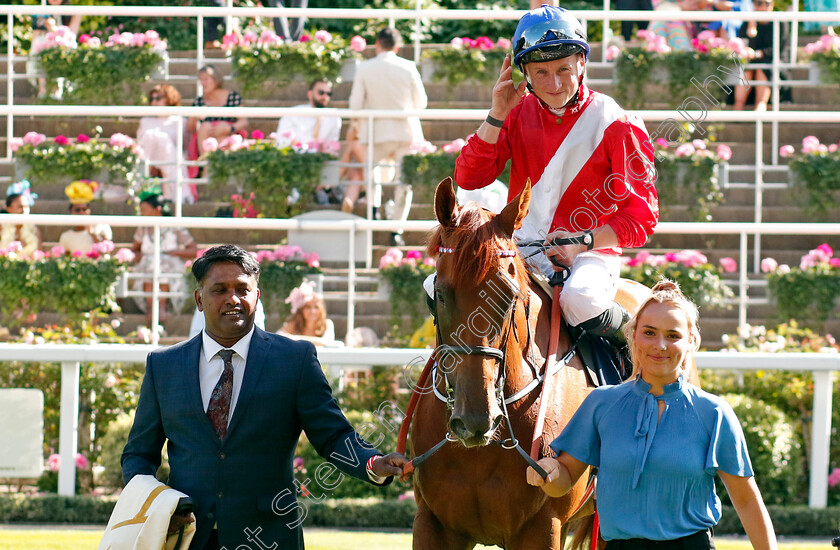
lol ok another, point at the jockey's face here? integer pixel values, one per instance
(556, 82)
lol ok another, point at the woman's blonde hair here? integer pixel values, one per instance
(666, 291)
(298, 323)
(213, 73)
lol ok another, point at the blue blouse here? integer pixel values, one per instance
(656, 479)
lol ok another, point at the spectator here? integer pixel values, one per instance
(19, 199)
(627, 26)
(677, 34)
(82, 237)
(214, 95)
(308, 320)
(759, 37)
(658, 442)
(290, 29)
(729, 28)
(158, 138)
(41, 25)
(211, 25)
(392, 83)
(176, 247)
(354, 153)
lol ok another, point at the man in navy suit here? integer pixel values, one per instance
(231, 403)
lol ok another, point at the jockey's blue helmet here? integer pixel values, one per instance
(548, 33)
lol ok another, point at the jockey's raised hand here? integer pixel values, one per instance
(505, 97)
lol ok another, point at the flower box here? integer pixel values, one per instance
(465, 59)
(282, 178)
(62, 160)
(403, 276)
(807, 293)
(97, 73)
(282, 270)
(262, 63)
(815, 175)
(824, 55)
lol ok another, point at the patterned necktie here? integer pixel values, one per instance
(218, 409)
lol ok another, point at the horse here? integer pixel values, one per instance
(485, 394)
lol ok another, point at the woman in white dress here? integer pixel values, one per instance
(177, 246)
(158, 138)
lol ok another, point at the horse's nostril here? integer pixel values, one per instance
(457, 427)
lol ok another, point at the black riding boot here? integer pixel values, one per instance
(608, 325)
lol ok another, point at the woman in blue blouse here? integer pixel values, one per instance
(658, 442)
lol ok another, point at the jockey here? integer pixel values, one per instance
(590, 164)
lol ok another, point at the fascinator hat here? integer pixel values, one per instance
(301, 295)
(22, 188)
(81, 191)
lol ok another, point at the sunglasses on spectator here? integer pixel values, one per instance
(323, 92)
(155, 97)
(84, 208)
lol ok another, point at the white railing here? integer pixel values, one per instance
(822, 367)
(747, 278)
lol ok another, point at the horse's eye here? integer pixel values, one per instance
(439, 297)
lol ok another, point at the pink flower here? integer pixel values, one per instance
(93, 254)
(413, 255)
(81, 461)
(231, 40)
(729, 265)
(699, 144)
(104, 247)
(457, 43)
(54, 462)
(834, 262)
(323, 37)
(256, 134)
(706, 35)
(210, 144)
(613, 52)
(61, 140)
(305, 38)
(834, 477)
(409, 495)
(503, 44)
(250, 37)
(455, 146)
(84, 38)
(82, 138)
(769, 265)
(724, 152)
(38, 255)
(57, 251)
(832, 148)
(121, 140)
(786, 150)
(124, 255)
(684, 150)
(34, 138)
(484, 44)
(138, 40)
(825, 249)
(424, 147)
(15, 143)
(331, 147)
(662, 142)
(94, 42)
(298, 463)
(358, 44)
(429, 261)
(782, 269)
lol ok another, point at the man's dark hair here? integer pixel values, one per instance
(11, 198)
(325, 80)
(225, 253)
(389, 38)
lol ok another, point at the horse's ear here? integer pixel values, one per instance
(510, 219)
(445, 203)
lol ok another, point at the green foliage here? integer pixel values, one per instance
(634, 72)
(807, 293)
(74, 286)
(699, 280)
(280, 63)
(271, 173)
(692, 181)
(815, 179)
(424, 171)
(111, 447)
(391, 513)
(449, 29)
(456, 64)
(788, 521)
(22, 34)
(56, 509)
(104, 75)
(379, 432)
(95, 160)
(405, 282)
(829, 64)
(776, 450)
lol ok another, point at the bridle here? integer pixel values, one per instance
(499, 353)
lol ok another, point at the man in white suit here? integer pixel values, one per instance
(390, 82)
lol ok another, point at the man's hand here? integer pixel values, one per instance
(390, 465)
(179, 521)
(505, 95)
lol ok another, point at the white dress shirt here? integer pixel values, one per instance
(211, 365)
(302, 128)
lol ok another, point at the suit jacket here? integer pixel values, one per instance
(388, 81)
(244, 484)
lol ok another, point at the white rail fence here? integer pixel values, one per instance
(822, 367)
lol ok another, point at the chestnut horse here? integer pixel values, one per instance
(492, 325)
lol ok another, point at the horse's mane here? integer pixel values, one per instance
(476, 239)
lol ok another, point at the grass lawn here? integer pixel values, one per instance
(63, 538)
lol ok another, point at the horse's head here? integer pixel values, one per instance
(480, 292)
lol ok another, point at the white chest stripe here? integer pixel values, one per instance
(565, 165)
